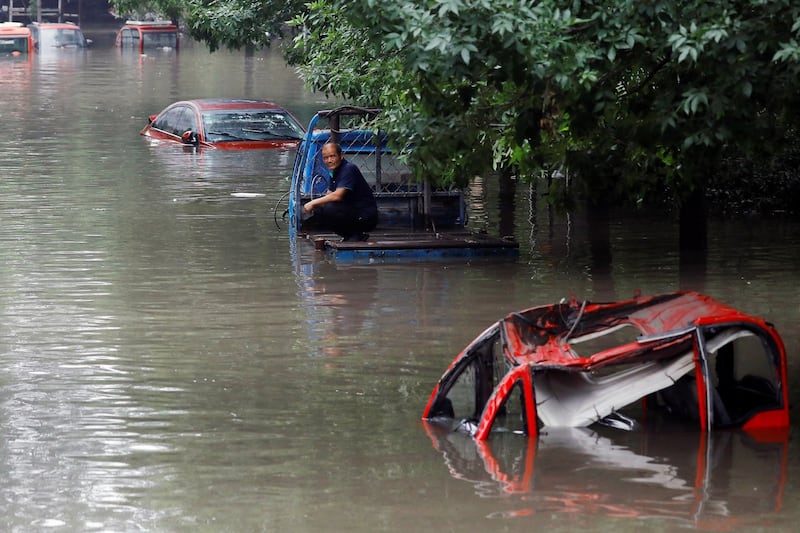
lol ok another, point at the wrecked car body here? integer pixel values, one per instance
(574, 364)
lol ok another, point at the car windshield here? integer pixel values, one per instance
(160, 39)
(59, 38)
(10, 45)
(250, 125)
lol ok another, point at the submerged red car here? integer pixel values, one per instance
(682, 355)
(144, 35)
(226, 123)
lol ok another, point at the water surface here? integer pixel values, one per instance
(171, 362)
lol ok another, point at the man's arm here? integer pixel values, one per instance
(333, 196)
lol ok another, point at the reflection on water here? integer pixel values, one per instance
(170, 362)
(339, 302)
(691, 479)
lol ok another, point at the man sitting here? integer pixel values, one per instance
(349, 207)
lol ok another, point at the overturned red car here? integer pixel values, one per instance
(681, 355)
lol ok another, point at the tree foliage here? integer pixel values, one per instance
(632, 95)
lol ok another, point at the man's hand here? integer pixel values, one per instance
(330, 196)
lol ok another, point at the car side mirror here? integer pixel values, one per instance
(189, 137)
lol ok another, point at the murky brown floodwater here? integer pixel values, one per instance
(171, 362)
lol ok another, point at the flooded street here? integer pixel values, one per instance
(172, 362)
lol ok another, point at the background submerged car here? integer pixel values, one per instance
(49, 35)
(140, 36)
(226, 123)
(15, 39)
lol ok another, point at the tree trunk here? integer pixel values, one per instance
(507, 192)
(599, 234)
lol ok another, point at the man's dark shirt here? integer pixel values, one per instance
(359, 193)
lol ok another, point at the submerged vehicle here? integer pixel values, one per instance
(415, 218)
(57, 35)
(225, 123)
(574, 364)
(15, 39)
(143, 35)
(401, 201)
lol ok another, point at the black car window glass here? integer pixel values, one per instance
(184, 121)
(168, 121)
(9, 45)
(161, 122)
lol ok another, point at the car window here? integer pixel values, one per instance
(744, 370)
(60, 37)
(129, 38)
(513, 417)
(159, 39)
(251, 125)
(185, 121)
(9, 45)
(176, 121)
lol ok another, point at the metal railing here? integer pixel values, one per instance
(54, 11)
